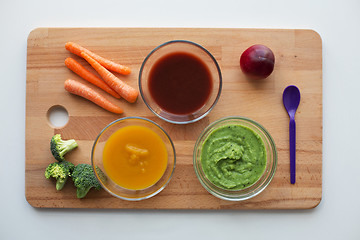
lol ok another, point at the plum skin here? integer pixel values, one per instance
(257, 61)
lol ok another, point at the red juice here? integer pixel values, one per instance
(180, 83)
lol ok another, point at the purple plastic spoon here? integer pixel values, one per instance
(291, 100)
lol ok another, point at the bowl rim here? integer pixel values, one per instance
(266, 181)
(196, 45)
(94, 167)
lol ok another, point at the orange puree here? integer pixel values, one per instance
(135, 157)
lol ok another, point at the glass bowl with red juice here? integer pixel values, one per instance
(180, 81)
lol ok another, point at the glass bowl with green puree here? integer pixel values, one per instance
(235, 158)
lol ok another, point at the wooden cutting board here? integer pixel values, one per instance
(298, 61)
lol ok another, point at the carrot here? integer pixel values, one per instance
(108, 64)
(127, 92)
(84, 91)
(77, 68)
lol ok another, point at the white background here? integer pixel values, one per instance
(337, 216)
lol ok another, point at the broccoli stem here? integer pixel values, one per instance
(70, 145)
(60, 183)
(81, 192)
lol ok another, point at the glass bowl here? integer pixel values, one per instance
(249, 191)
(111, 186)
(206, 61)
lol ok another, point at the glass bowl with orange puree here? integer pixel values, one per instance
(136, 156)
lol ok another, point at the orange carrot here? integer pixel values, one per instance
(77, 68)
(84, 91)
(127, 92)
(108, 64)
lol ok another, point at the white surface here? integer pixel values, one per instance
(337, 216)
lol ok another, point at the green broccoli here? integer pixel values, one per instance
(60, 147)
(84, 179)
(60, 171)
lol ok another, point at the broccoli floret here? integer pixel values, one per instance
(60, 171)
(84, 179)
(60, 147)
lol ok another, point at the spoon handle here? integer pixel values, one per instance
(292, 137)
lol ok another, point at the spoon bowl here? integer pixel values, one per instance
(291, 99)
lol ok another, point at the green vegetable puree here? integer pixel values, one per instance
(233, 157)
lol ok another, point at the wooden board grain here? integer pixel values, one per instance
(298, 61)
